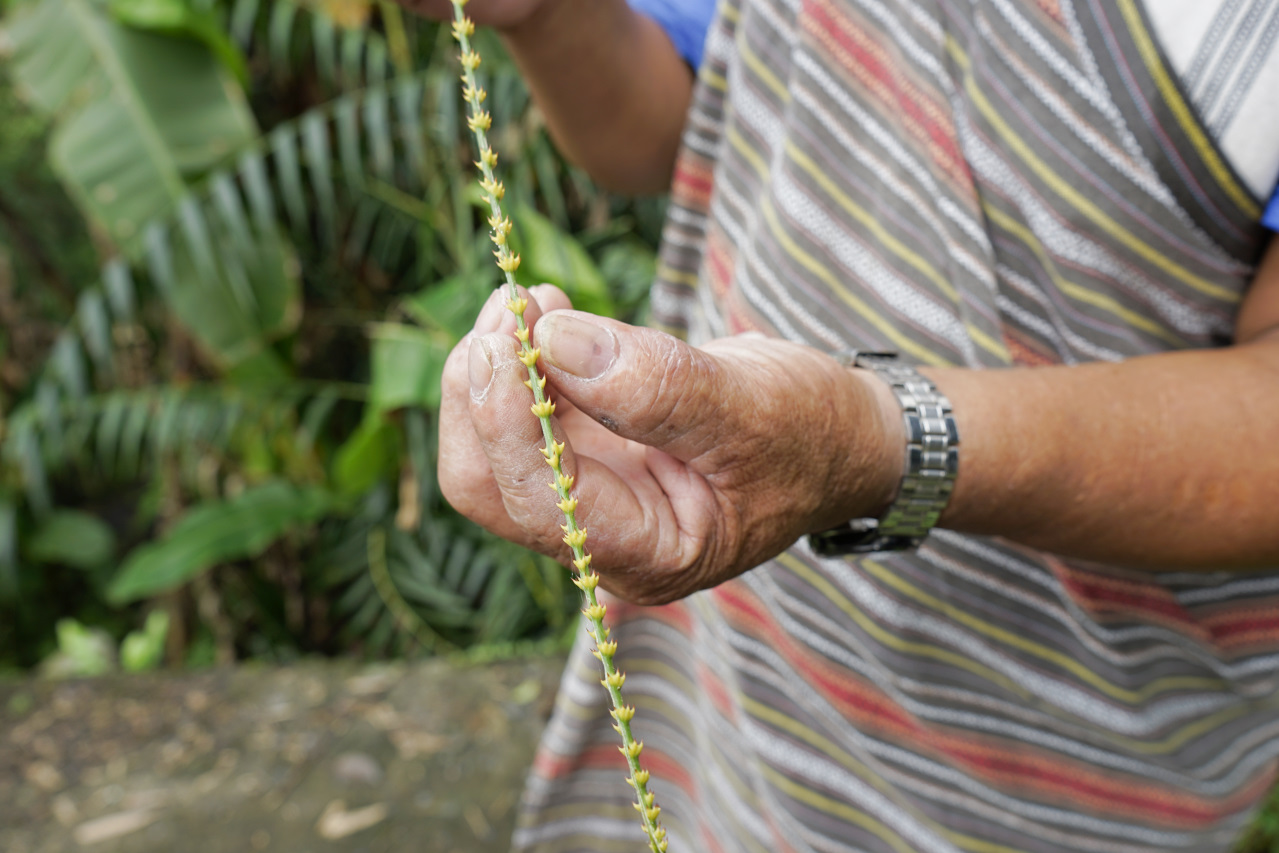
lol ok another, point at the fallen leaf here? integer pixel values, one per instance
(337, 823)
(113, 826)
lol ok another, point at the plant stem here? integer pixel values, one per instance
(574, 535)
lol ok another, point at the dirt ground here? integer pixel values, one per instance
(321, 757)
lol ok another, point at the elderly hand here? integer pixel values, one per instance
(693, 465)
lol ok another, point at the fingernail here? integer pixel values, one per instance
(481, 368)
(576, 346)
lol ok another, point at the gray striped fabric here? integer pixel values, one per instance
(981, 183)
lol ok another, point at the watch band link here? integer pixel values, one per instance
(930, 467)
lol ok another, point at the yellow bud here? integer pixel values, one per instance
(583, 563)
(633, 749)
(522, 335)
(575, 538)
(624, 714)
(488, 157)
(507, 262)
(594, 612)
(652, 813)
(568, 506)
(470, 60)
(541, 383)
(641, 776)
(617, 679)
(543, 409)
(517, 305)
(528, 357)
(586, 582)
(475, 96)
(480, 121)
(564, 481)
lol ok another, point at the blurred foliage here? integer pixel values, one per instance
(238, 239)
(1263, 835)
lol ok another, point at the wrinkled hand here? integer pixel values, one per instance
(693, 465)
(502, 14)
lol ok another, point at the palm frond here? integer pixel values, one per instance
(118, 435)
(298, 37)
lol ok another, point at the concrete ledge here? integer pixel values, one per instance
(316, 757)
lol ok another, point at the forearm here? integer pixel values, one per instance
(611, 85)
(1165, 461)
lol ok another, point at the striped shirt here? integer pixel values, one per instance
(1219, 50)
(982, 183)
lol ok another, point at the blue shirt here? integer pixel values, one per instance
(685, 22)
(1270, 218)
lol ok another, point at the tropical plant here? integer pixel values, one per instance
(281, 197)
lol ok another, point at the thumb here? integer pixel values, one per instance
(642, 384)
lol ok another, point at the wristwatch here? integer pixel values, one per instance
(931, 465)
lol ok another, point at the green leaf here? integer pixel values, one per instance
(407, 364)
(235, 297)
(452, 304)
(370, 455)
(71, 538)
(181, 18)
(8, 549)
(281, 32)
(550, 255)
(144, 650)
(218, 532)
(284, 146)
(68, 365)
(243, 17)
(82, 652)
(118, 284)
(319, 163)
(138, 114)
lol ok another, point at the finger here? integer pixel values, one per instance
(465, 477)
(640, 383)
(627, 503)
(550, 298)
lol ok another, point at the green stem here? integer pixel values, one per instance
(574, 535)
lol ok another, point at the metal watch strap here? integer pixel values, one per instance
(931, 465)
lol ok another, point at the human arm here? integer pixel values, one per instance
(1165, 461)
(612, 87)
(697, 464)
